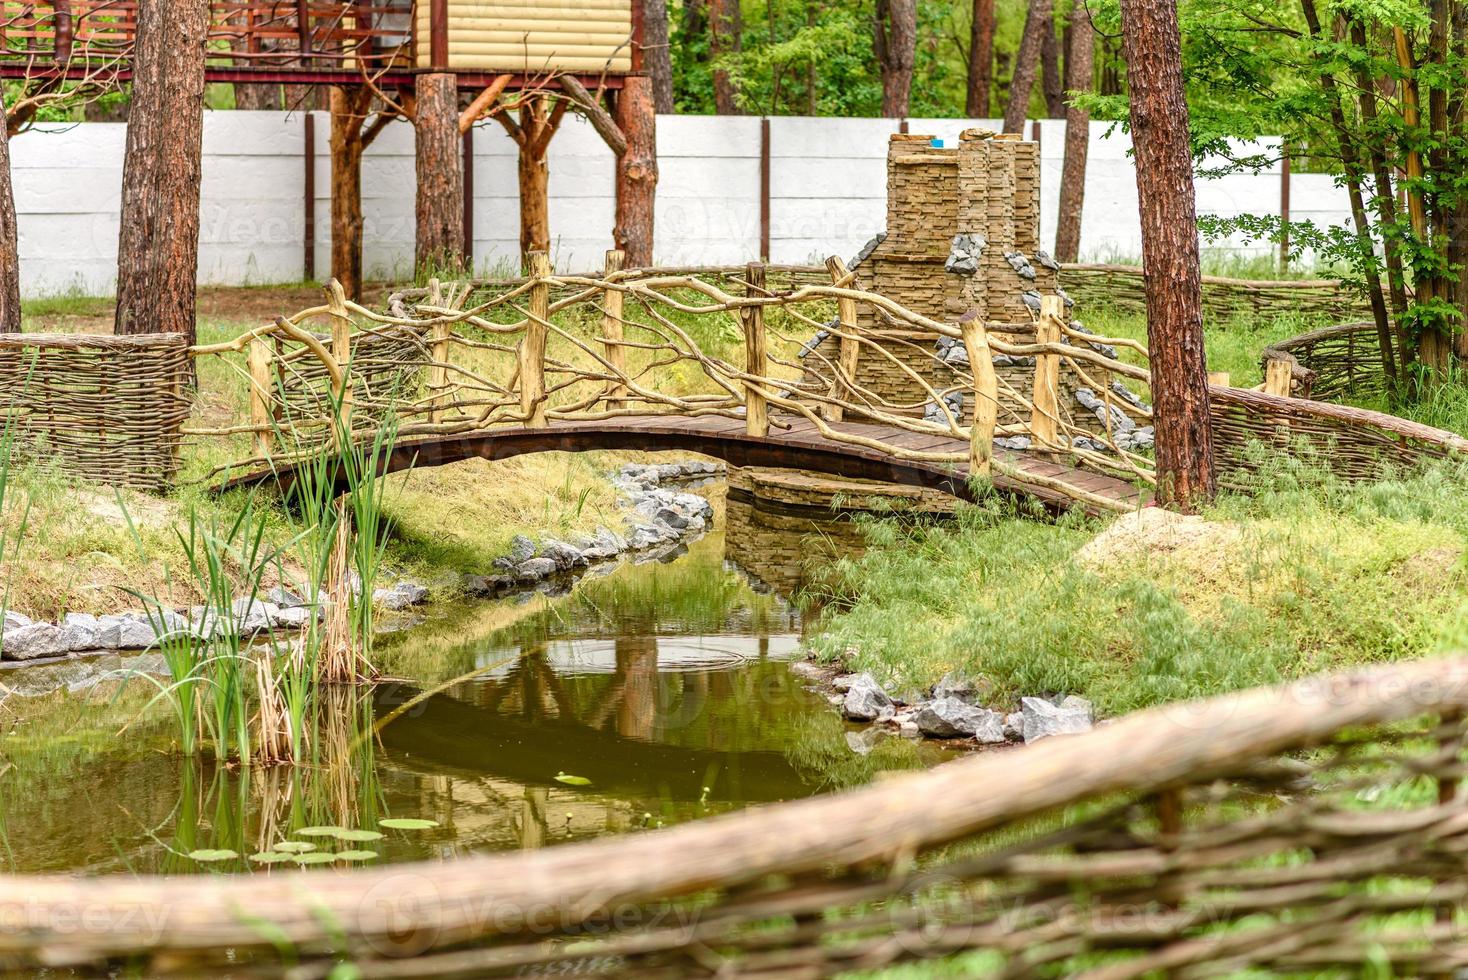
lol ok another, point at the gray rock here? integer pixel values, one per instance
(1031, 299)
(909, 729)
(1042, 719)
(284, 598)
(521, 549)
(1014, 726)
(646, 536)
(293, 617)
(401, 596)
(1043, 257)
(1126, 394)
(251, 616)
(1119, 421)
(1017, 443)
(532, 569)
(80, 632)
(843, 683)
(1021, 265)
(33, 641)
(565, 556)
(948, 717)
(671, 517)
(864, 741)
(868, 249)
(955, 685)
(14, 620)
(133, 631)
(866, 701)
(964, 252)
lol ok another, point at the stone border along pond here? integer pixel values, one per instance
(83, 649)
(951, 709)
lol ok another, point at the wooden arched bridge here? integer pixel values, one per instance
(639, 361)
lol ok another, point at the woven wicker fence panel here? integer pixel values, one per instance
(1353, 443)
(102, 408)
(1334, 362)
(1120, 288)
(387, 367)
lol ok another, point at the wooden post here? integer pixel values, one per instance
(847, 349)
(986, 396)
(637, 171)
(611, 330)
(532, 345)
(438, 372)
(1045, 399)
(341, 351)
(1277, 377)
(756, 412)
(257, 358)
(440, 172)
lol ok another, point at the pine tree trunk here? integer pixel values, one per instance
(256, 95)
(534, 174)
(1079, 61)
(1173, 282)
(637, 172)
(158, 246)
(726, 27)
(980, 60)
(895, 43)
(9, 238)
(440, 173)
(1054, 90)
(1026, 63)
(657, 57)
(348, 112)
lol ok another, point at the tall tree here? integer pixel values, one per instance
(895, 42)
(726, 37)
(1170, 261)
(353, 128)
(1079, 63)
(1051, 84)
(1026, 63)
(158, 245)
(980, 60)
(439, 165)
(9, 237)
(540, 117)
(637, 172)
(657, 57)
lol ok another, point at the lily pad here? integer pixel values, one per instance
(355, 855)
(293, 847)
(315, 857)
(270, 857)
(321, 831)
(570, 780)
(359, 835)
(407, 823)
(207, 855)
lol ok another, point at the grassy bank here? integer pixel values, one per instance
(1305, 575)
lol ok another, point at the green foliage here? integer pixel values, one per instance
(1311, 575)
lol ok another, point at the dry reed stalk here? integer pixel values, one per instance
(272, 741)
(338, 657)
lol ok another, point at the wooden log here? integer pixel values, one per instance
(756, 360)
(438, 372)
(1045, 413)
(1218, 378)
(532, 345)
(341, 352)
(1277, 377)
(9, 238)
(262, 385)
(439, 164)
(349, 106)
(848, 350)
(611, 330)
(158, 244)
(986, 397)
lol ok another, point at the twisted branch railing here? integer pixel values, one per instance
(568, 347)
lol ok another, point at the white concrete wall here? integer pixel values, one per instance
(828, 193)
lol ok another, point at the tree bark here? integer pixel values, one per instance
(257, 95)
(9, 238)
(1054, 89)
(440, 171)
(657, 57)
(980, 60)
(637, 172)
(1026, 61)
(1079, 61)
(348, 112)
(726, 36)
(895, 42)
(158, 245)
(1173, 281)
(534, 180)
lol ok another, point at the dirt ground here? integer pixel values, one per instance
(216, 304)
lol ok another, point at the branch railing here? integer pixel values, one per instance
(553, 348)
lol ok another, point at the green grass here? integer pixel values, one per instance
(1318, 576)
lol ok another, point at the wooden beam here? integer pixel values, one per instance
(601, 120)
(483, 103)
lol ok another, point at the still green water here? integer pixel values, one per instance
(653, 695)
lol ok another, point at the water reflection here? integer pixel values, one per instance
(654, 695)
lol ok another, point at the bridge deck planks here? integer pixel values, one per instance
(793, 442)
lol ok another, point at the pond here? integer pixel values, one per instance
(647, 696)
